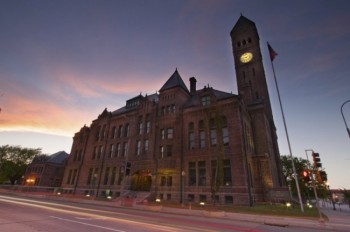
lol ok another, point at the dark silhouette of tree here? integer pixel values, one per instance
(14, 161)
(346, 194)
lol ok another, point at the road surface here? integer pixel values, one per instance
(23, 214)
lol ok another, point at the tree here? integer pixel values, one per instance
(216, 123)
(305, 184)
(287, 170)
(14, 161)
(346, 194)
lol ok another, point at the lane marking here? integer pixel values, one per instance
(87, 224)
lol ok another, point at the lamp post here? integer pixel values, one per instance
(341, 110)
(183, 174)
(331, 196)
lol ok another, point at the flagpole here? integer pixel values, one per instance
(295, 175)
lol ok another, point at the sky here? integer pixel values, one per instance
(63, 62)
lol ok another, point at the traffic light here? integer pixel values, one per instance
(323, 176)
(306, 176)
(317, 160)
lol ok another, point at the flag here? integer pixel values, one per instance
(273, 54)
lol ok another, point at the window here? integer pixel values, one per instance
(213, 135)
(169, 150)
(161, 151)
(89, 176)
(140, 126)
(105, 180)
(162, 181)
(118, 150)
(145, 146)
(114, 132)
(162, 133)
(227, 173)
(173, 108)
(201, 134)
(114, 173)
(138, 147)
(126, 130)
(225, 137)
(205, 100)
(166, 181)
(69, 177)
(228, 200)
(125, 149)
(103, 134)
(111, 150)
(148, 124)
(97, 136)
(169, 181)
(100, 153)
(95, 152)
(170, 133)
(94, 180)
(120, 129)
(191, 138)
(201, 173)
(192, 177)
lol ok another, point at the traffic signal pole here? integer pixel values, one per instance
(313, 182)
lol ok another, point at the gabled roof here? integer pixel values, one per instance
(219, 95)
(174, 81)
(58, 157)
(153, 98)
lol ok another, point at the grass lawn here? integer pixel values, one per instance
(263, 209)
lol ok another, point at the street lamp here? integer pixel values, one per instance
(183, 174)
(341, 110)
(331, 195)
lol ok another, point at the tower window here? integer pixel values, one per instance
(239, 44)
(244, 42)
(249, 40)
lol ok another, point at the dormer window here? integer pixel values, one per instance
(205, 100)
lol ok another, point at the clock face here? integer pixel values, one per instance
(246, 57)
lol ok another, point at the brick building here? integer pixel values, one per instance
(186, 144)
(46, 170)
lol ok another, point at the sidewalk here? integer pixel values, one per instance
(339, 218)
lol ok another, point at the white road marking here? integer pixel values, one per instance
(87, 224)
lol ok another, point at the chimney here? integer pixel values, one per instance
(193, 85)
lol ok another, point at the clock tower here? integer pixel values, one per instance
(264, 161)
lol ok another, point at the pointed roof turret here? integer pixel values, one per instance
(174, 81)
(243, 23)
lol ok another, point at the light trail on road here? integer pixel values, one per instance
(51, 207)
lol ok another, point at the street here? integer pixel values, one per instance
(29, 215)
